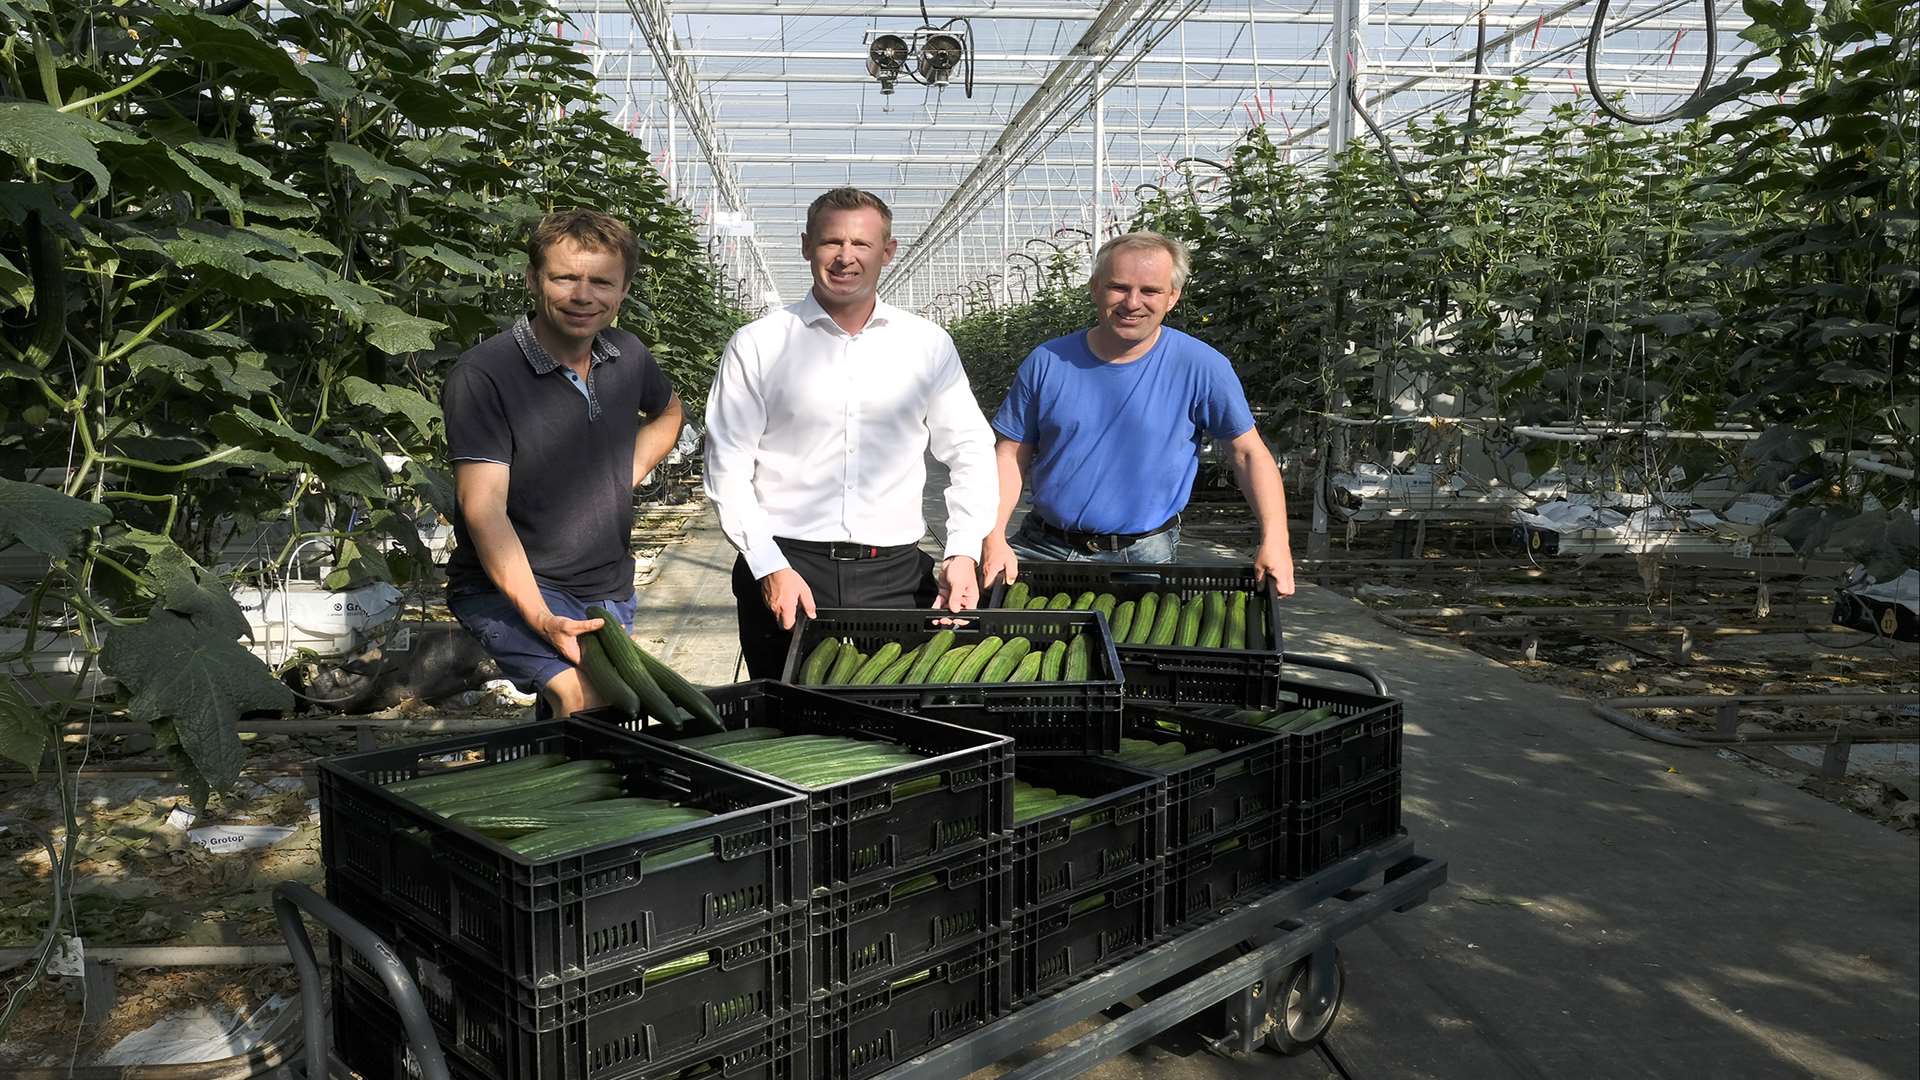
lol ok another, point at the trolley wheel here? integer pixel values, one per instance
(1297, 1025)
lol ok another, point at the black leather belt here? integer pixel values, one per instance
(1093, 543)
(843, 550)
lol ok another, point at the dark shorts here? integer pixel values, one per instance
(523, 655)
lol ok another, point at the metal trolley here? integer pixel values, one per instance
(1283, 991)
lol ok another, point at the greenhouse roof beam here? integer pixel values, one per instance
(656, 24)
(1042, 13)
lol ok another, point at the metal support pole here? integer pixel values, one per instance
(1099, 156)
(1341, 43)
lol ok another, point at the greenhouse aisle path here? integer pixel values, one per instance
(1616, 908)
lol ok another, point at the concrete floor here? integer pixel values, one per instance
(1616, 908)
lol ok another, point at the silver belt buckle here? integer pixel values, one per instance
(1093, 545)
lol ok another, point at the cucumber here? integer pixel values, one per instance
(1017, 596)
(1167, 622)
(1122, 621)
(510, 824)
(977, 662)
(1061, 601)
(1078, 659)
(819, 662)
(681, 965)
(1255, 606)
(610, 829)
(1053, 662)
(1235, 635)
(555, 776)
(467, 775)
(1190, 616)
(1105, 605)
(1006, 660)
(937, 646)
(949, 663)
(625, 656)
(751, 734)
(882, 659)
(845, 663)
(1213, 622)
(606, 681)
(1084, 602)
(1039, 603)
(1143, 614)
(1267, 639)
(899, 668)
(593, 789)
(1029, 668)
(683, 693)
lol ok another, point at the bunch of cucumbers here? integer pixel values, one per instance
(1209, 620)
(939, 660)
(544, 806)
(1293, 721)
(811, 761)
(1030, 801)
(637, 684)
(1162, 756)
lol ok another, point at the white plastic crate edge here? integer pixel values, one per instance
(303, 615)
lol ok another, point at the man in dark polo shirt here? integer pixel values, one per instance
(546, 432)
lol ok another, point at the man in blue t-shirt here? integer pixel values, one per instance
(1107, 424)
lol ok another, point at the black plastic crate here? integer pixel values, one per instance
(1365, 744)
(1327, 830)
(1205, 879)
(1081, 717)
(369, 1038)
(1172, 674)
(860, 829)
(1062, 942)
(870, 1028)
(1220, 795)
(551, 919)
(1121, 827)
(863, 932)
(613, 1023)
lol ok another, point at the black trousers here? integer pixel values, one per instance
(901, 579)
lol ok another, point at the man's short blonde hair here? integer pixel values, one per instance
(1143, 241)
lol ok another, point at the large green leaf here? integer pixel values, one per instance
(23, 728)
(34, 129)
(198, 681)
(46, 520)
(188, 589)
(394, 401)
(242, 381)
(394, 331)
(371, 170)
(244, 427)
(16, 288)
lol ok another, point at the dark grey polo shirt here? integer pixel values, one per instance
(569, 450)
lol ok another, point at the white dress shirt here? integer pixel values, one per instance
(817, 434)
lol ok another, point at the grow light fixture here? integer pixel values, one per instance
(940, 54)
(931, 56)
(886, 59)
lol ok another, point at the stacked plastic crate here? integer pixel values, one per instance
(909, 880)
(1089, 878)
(679, 951)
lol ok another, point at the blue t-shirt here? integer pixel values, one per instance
(1116, 446)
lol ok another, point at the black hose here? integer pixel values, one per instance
(1593, 68)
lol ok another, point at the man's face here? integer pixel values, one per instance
(577, 290)
(847, 251)
(1135, 294)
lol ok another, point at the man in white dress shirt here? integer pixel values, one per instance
(818, 425)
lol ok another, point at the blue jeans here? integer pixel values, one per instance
(1029, 542)
(523, 655)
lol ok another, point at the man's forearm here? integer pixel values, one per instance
(1266, 494)
(656, 440)
(505, 562)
